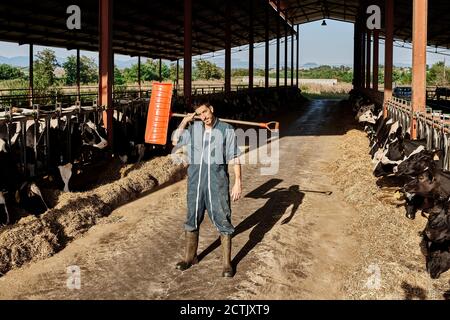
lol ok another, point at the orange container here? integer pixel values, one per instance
(158, 115)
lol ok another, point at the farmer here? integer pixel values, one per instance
(211, 145)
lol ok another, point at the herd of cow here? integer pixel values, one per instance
(60, 147)
(418, 171)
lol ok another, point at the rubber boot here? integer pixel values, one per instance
(190, 253)
(226, 249)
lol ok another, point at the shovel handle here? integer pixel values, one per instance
(271, 126)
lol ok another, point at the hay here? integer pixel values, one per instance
(33, 239)
(388, 241)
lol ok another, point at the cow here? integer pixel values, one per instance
(417, 163)
(395, 153)
(430, 182)
(437, 256)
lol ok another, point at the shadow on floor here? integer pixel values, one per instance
(263, 219)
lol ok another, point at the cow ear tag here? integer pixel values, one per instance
(435, 157)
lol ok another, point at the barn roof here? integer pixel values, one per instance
(346, 10)
(140, 27)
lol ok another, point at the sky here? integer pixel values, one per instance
(331, 44)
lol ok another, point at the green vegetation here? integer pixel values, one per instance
(205, 70)
(88, 70)
(49, 75)
(8, 72)
(342, 73)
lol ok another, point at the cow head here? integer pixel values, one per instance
(423, 184)
(91, 136)
(418, 163)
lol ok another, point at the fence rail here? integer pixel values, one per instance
(432, 126)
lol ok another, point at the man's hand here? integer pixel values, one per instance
(236, 192)
(188, 118)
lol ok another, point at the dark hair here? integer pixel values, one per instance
(200, 101)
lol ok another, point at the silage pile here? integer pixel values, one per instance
(390, 264)
(33, 239)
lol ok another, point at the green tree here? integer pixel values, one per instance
(118, 77)
(149, 72)
(438, 74)
(44, 67)
(206, 70)
(88, 70)
(8, 72)
(173, 72)
(239, 72)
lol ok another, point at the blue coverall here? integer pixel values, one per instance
(209, 152)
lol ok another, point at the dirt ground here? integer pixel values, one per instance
(293, 240)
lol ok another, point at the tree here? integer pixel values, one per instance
(206, 70)
(118, 77)
(44, 67)
(438, 74)
(88, 70)
(8, 72)
(149, 72)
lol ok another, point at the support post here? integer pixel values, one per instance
(363, 58)
(228, 48)
(178, 75)
(187, 81)
(251, 49)
(278, 46)
(285, 50)
(419, 59)
(78, 76)
(139, 76)
(376, 41)
(292, 55)
(388, 53)
(266, 55)
(357, 54)
(368, 58)
(297, 60)
(106, 64)
(30, 76)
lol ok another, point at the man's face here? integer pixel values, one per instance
(206, 114)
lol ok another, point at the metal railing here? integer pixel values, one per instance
(432, 125)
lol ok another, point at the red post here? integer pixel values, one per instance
(363, 58)
(266, 56)
(388, 53)
(368, 49)
(139, 75)
(285, 50)
(30, 77)
(278, 46)
(419, 59)
(78, 76)
(357, 54)
(106, 64)
(297, 60)
(376, 39)
(227, 49)
(292, 55)
(251, 49)
(187, 84)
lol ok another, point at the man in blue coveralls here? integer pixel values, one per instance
(211, 146)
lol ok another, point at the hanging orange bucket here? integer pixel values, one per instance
(159, 113)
